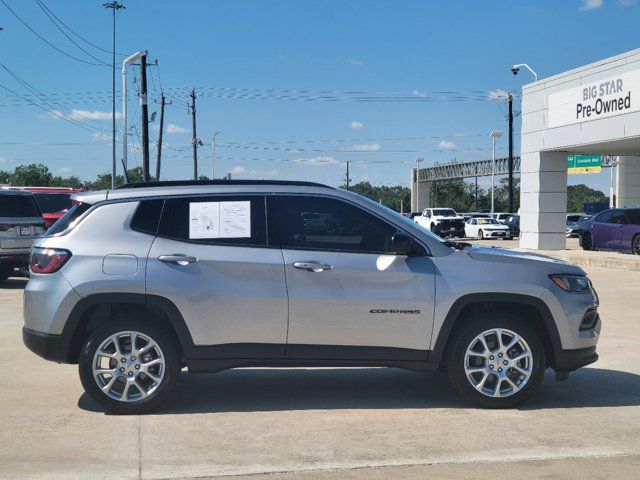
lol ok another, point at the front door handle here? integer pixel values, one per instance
(312, 266)
(177, 259)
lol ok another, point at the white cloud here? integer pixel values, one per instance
(356, 62)
(498, 94)
(316, 161)
(79, 115)
(64, 170)
(626, 3)
(101, 136)
(3, 160)
(446, 145)
(237, 170)
(172, 128)
(264, 174)
(419, 94)
(588, 5)
(356, 125)
(367, 147)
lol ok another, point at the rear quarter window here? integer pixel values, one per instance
(69, 220)
(147, 216)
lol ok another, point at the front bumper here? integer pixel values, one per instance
(497, 233)
(570, 360)
(49, 347)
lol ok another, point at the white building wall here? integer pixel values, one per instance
(628, 182)
(423, 191)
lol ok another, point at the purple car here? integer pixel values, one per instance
(615, 230)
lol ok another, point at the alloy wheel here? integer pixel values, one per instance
(128, 366)
(636, 245)
(498, 363)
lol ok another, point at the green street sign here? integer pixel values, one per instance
(584, 163)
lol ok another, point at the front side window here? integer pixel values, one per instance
(215, 220)
(318, 223)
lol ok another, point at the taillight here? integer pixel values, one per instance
(48, 260)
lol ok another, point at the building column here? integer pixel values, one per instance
(423, 190)
(628, 182)
(543, 200)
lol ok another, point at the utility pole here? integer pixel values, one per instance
(162, 104)
(511, 206)
(348, 179)
(145, 118)
(194, 139)
(113, 6)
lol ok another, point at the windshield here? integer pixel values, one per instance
(444, 212)
(398, 217)
(53, 202)
(487, 221)
(18, 206)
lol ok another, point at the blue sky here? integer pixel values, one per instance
(279, 77)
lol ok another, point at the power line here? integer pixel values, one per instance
(47, 41)
(75, 33)
(43, 8)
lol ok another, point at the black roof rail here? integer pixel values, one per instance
(185, 183)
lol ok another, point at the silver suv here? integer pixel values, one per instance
(138, 283)
(20, 224)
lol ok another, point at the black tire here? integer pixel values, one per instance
(455, 359)
(635, 245)
(587, 241)
(480, 234)
(155, 398)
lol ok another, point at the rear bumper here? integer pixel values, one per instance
(49, 347)
(569, 360)
(13, 260)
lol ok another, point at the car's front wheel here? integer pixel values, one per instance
(480, 235)
(496, 361)
(587, 241)
(635, 245)
(129, 367)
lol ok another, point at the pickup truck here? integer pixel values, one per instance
(444, 222)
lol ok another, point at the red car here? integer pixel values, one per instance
(53, 201)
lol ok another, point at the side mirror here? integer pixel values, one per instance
(403, 244)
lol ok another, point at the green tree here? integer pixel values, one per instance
(578, 195)
(5, 177)
(33, 175)
(392, 197)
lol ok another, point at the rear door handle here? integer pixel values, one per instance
(177, 259)
(312, 266)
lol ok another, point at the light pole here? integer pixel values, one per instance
(516, 68)
(419, 160)
(113, 6)
(612, 164)
(133, 58)
(213, 153)
(494, 134)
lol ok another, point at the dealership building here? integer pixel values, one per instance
(591, 110)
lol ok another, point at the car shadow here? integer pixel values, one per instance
(14, 283)
(253, 389)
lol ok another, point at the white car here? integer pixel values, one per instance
(485, 228)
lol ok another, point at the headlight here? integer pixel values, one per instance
(571, 283)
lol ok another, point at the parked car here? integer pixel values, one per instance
(21, 223)
(513, 222)
(574, 217)
(572, 229)
(444, 222)
(135, 284)
(53, 201)
(614, 230)
(469, 215)
(485, 228)
(501, 217)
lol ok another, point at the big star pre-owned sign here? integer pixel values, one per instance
(595, 100)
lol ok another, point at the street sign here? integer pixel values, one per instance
(584, 164)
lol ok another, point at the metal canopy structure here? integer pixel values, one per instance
(476, 168)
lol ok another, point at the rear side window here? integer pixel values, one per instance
(69, 220)
(634, 216)
(619, 217)
(238, 220)
(147, 216)
(18, 206)
(605, 217)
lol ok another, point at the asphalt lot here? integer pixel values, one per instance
(328, 423)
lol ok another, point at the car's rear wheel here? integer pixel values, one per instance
(587, 241)
(496, 361)
(480, 235)
(635, 245)
(129, 367)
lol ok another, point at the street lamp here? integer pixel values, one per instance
(516, 68)
(494, 134)
(419, 160)
(133, 58)
(612, 164)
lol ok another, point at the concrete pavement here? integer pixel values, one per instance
(328, 423)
